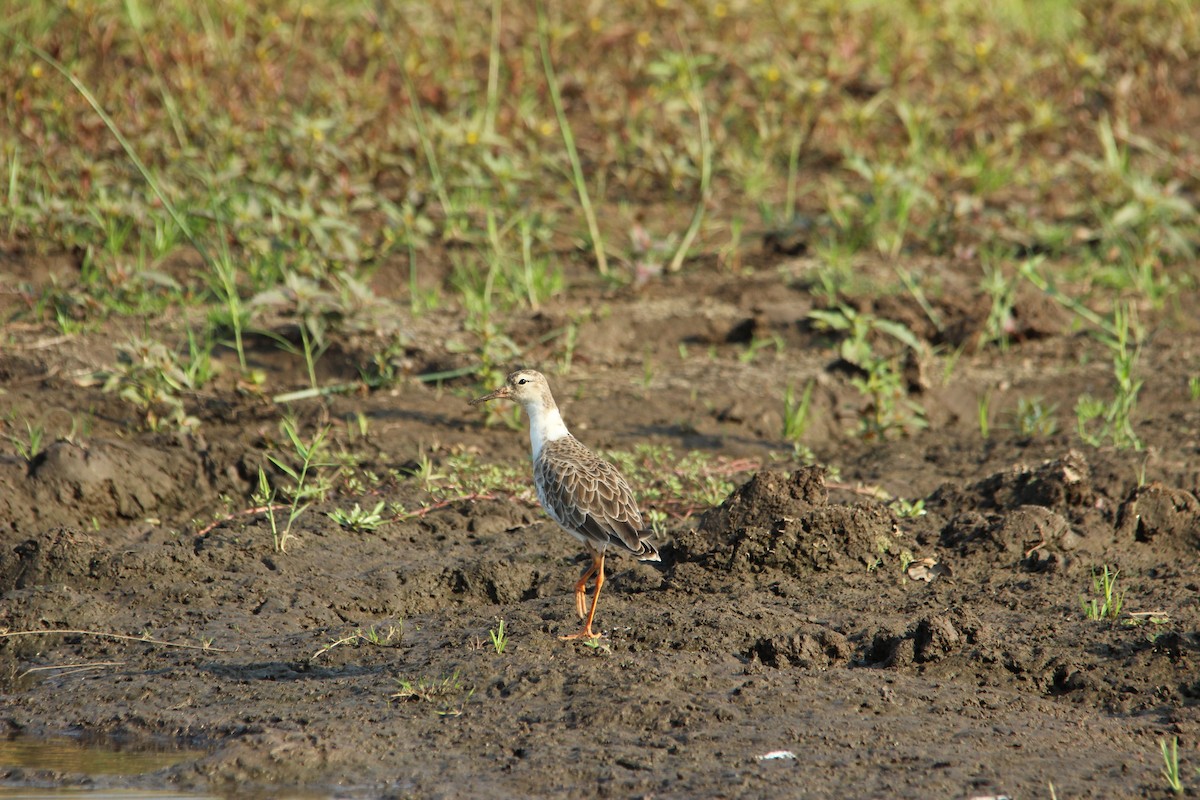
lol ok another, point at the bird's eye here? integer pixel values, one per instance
(522, 382)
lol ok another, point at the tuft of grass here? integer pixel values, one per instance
(1170, 770)
(499, 638)
(888, 407)
(449, 695)
(1002, 294)
(29, 445)
(308, 484)
(154, 378)
(387, 635)
(796, 411)
(1034, 418)
(1108, 605)
(1114, 417)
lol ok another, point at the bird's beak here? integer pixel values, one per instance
(502, 392)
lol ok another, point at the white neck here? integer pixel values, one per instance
(545, 425)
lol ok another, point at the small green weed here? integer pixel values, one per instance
(358, 519)
(907, 509)
(758, 344)
(1115, 416)
(984, 410)
(30, 445)
(449, 694)
(1108, 604)
(657, 520)
(499, 638)
(795, 412)
(881, 382)
(387, 635)
(308, 484)
(1170, 770)
(1034, 418)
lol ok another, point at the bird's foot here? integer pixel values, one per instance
(587, 634)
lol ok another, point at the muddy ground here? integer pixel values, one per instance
(783, 620)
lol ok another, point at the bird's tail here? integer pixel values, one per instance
(647, 550)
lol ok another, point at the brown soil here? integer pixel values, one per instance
(783, 620)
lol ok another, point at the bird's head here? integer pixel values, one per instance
(527, 387)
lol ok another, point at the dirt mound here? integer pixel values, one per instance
(810, 646)
(781, 521)
(1032, 514)
(1063, 484)
(104, 482)
(1026, 532)
(931, 638)
(768, 496)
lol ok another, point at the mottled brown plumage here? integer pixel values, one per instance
(580, 491)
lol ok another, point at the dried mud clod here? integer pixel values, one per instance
(1032, 515)
(810, 646)
(1062, 484)
(932, 638)
(1160, 514)
(56, 556)
(1036, 534)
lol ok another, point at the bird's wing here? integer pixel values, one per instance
(586, 494)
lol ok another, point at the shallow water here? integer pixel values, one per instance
(63, 755)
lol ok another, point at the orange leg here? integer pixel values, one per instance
(581, 589)
(598, 570)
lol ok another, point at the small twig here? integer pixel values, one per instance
(683, 511)
(877, 492)
(317, 391)
(734, 467)
(45, 343)
(119, 636)
(344, 640)
(420, 512)
(71, 669)
(243, 513)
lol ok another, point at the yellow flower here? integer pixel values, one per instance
(35, 71)
(472, 137)
(595, 24)
(546, 128)
(720, 10)
(773, 74)
(643, 39)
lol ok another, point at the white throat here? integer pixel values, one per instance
(545, 425)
